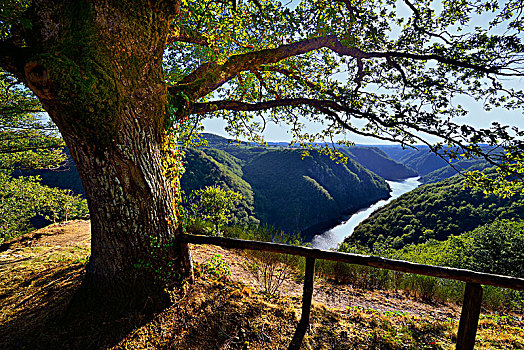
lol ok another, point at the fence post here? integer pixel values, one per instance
(307, 296)
(469, 318)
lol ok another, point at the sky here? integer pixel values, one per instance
(477, 116)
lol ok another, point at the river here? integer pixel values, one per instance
(333, 237)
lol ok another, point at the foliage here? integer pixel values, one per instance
(65, 177)
(215, 205)
(493, 248)
(12, 17)
(26, 140)
(159, 261)
(24, 200)
(216, 266)
(379, 162)
(435, 211)
(505, 184)
(400, 71)
(202, 169)
(27, 143)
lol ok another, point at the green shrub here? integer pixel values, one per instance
(493, 248)
(216, 266)
(212, 204)
(24, 199)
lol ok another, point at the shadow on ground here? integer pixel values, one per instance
(36, 314)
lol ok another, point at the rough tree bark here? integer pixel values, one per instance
(97, 68)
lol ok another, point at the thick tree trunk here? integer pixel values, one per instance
(97, 69)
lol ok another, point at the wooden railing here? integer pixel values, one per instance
(472, 295)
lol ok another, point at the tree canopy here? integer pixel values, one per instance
(388, 69)
(115, 76)
(215, 205)
(26, 140)
(382, 68)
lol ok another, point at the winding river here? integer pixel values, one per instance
(333, 237)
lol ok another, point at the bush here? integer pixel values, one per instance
(24, 200)
(216, 266)
(270, 269)
(493, 248)
(211, 204)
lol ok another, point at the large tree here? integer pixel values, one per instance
(118, 77)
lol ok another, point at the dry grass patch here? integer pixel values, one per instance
(38, 277)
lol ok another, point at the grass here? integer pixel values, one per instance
(36, 284)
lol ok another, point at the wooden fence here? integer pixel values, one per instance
(472, 295)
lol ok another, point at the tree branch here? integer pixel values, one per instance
(207, 107)
(332, 109)
(183, 34)
(203, 81)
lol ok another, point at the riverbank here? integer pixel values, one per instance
(318, 229)
(332, 236)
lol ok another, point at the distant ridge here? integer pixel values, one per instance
(379, 162)
(289, 192)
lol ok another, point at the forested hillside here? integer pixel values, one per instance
(429, 166)
(379, 162)
(420, 158)
(496, 247)
(447, 171)
(279, 186)
(208, 167)
(435, 211)
(64, 177)
(294, 193)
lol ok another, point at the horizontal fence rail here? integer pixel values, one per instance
(472, 294)
(365, 260)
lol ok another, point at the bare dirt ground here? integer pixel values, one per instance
(40, 272)
(332, 295)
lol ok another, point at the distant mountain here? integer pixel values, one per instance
(437, 211)
(447, 171)
(206, 167)
(294, 193)
(65, 177)
(371, 157)
(379, 162)
(420, 158)
(424, 162)
(217, 141)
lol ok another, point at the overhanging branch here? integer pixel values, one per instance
(207, 107)
(203, 81)
(334, 110)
